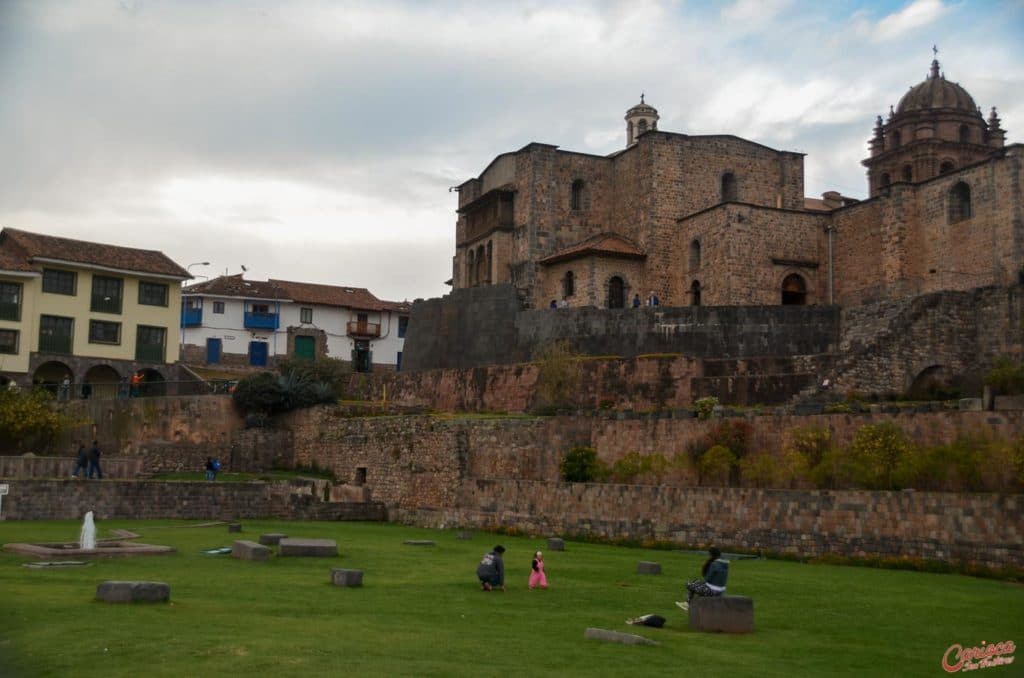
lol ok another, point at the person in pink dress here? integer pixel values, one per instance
(537, 576)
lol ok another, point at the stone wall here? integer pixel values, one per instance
(61, 467)
(979, 528)
(153, 500)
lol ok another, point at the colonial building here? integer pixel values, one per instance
(720, 220)
(233, 321)
(90, 312)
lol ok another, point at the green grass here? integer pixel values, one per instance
(421, 613)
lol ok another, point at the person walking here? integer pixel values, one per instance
(537, 576)
(491, 570)
(81, 460)
(94, 460)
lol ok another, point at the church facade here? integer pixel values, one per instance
(722, 221)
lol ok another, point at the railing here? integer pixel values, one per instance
(55, 343)
(261, 321)
(147, 389)
(363, 329)
(191, 317)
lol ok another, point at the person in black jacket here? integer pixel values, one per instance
(81, 460)
(491, 570)
(94, 460)
(715, 572)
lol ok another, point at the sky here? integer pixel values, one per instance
(316, 141)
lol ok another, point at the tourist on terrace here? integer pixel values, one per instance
(715, 572)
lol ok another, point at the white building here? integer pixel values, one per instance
(237, 322)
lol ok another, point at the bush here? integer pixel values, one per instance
(716, 465)
(1006, 377)
(558, 377)
(878, 454)
(581, 465)
(704, 407)
(760, 470)
(27, 421)
(266, 394)
(333, 373)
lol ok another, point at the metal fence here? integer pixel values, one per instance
(147, 389)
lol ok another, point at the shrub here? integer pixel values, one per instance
(581, 465)
(27, 421)
(810, 442)
(329, 371)
(877, 453)
(760, 470)
(716, 465)
(704, 407)
(558, 376)
(266, 394)
(1006, 377)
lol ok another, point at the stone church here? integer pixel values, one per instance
(718, 220)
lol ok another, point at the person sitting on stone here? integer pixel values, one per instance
(715, 572)
(491, 570)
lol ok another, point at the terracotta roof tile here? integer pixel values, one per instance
(236, 286)
(604, 244)
(288, 290)
(19, 251)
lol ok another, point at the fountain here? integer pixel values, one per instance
(87, 537)
(88, 545)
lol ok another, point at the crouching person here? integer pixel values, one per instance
(491, 570)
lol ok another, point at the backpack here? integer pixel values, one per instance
(655, 620)
(216, 464)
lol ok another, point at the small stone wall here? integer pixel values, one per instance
(152, 500)
(61, 467)
(981, 528)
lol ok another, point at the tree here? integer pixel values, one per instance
(28, 421)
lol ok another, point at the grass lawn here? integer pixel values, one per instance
(421, 613)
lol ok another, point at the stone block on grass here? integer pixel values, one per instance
(249, 550)
(648, 567)
(617, 637)
(133, 592)
(724, 614)
(308, 548)
(344, 577)
(464, 535)
(556, 544)
(234, 527)
(418, 542)
(272, 538)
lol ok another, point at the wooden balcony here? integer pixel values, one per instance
(363, 329)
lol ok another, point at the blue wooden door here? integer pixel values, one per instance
(212, 351)
(258, 353)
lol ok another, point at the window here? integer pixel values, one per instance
(218, 307)
(695, 255)
(59, 282)
(616, 293)
(149, 344)
(729, 187)
(908, 173)
(576, 198)
(106, 294)
(306, 316)
(959, 200)
(884, 180)
(794, 290)
(398, 362)
(695, 293)
(470, 269)
(261, 308)
(8, 341)
(896, 139)
(641, 127)
(103, 332)
(152, 294)
(947, 167)
(55, 334)
(403, 325)
(568, 285)
(965, 134)
(10, 301)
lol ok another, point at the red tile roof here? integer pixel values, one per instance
(236, 286)
(21, 250)
(605, 244)
(287, 290)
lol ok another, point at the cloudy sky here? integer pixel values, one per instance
(316, 140)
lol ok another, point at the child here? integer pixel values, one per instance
(537, 576)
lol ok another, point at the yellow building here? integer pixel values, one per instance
(83, 317)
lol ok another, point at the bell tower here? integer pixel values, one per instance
(639, 119)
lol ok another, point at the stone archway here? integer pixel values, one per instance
(794, 290)
(935, 382)
(50, 374)
(153, 383)
(616, 292)
(103, 382)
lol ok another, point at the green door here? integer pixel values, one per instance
(305, 348)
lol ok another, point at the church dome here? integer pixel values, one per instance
(642, 109)
(936, 92)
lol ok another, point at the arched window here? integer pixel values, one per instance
(728, 187)
(695, 255)
(695, 293)
(895, 138)
(490, 254)
(947, 167)
(629, 132)
(794, 290)
(470, 269)
(481, 272)
(576, 197)
(568, 285)
(908, 173)
(641, 127)
(616, 293)
(884, 180)
(959, 202)
(965, 134)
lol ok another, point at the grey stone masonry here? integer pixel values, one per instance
(418, 542)
(316, 548)
(727, 614)
(617, 637)
(343, 577)
(234, 527)
(556, 544)
(249, 550)
(648, 567)
(133, 592)
(272, 538)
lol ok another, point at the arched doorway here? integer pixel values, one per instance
(153, 383)
(695, 293)
(616, 292)
(103, 381)
(50, 374)
(794, 290)
(934, 383)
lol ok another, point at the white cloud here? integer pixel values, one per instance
(915, 15)
(754, 11)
